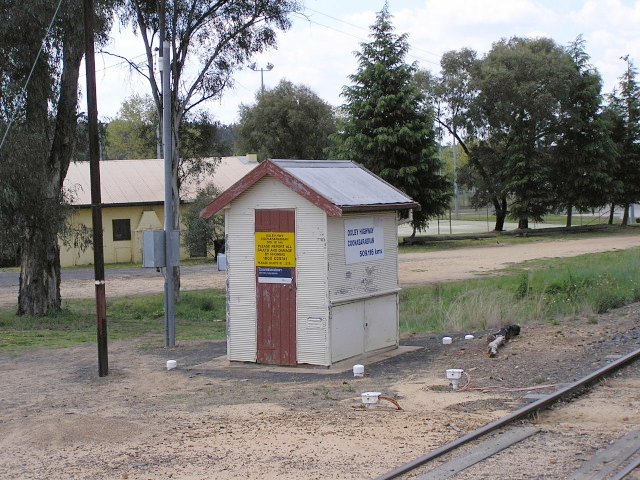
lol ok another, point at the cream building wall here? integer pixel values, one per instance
(141, 218)
(132, 196)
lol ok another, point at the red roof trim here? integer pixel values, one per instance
(262, 170)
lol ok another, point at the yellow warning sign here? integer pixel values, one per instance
(275, 249)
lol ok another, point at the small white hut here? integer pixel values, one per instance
(312, 253)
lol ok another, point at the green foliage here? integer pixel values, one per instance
(200, 315)
(202, 137)
(209, 40)
(132, 134)
(41, 142)
(581, 170)
(522, 288)
(534, 135)
(541, 291)
(200, 236)
(453, 91)
(521, 83)
(288, 121)
(387, 126)
(623, 119)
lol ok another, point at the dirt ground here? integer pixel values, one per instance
(209, 419)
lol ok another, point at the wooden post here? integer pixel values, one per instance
(96, 200)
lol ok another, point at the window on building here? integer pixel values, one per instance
(121, 229)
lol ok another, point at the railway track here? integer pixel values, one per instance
(549, 438)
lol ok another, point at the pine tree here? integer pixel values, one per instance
(623, 113)
(583, 154)
(387, 125)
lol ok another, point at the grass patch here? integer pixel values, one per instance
(200, 315)
(439, 245)
(450, 242)
(540, 291)
(535, 291)
(577, 219)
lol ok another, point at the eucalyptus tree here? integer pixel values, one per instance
(39, 145)
(387, 124)
(203, 237)
(457, 93)
(523, 85)
(288, 121)
(133, 134)
(208, 41)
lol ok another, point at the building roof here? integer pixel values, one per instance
(138, 182)
(336, 186)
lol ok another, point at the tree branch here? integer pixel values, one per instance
(131, 63)
(455, 134)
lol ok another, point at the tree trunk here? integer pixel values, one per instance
(569, 215)
(611, 213)
(501, 213)
(39, 292)
(523, 223)
(176, 119)
(625, 215)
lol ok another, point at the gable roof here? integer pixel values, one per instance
(138, 182)
(335, 186)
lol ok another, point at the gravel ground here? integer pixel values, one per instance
(215, 420)
(209, 419)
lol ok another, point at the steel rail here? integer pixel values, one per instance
(518, 414)
(627, 470)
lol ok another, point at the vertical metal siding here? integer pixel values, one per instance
(241, 288)
(381, 326)
(347, 330)
(369, 288)
(311, 273)
(366, 279)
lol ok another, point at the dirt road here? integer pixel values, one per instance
(415, 268)
(447, 265)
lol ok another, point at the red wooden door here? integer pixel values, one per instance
(276, 287)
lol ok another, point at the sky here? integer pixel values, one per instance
(318, 51)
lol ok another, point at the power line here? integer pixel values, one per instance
(365, 29)
(122, 62)
(33, 67)
(359, 38)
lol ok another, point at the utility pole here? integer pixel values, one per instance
(96, 200)
(170, 235)
(268, 68)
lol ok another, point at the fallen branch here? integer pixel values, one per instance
(501, 337)
(493, 346)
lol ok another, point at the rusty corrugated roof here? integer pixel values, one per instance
(125, 182)
(336, 186)
(344, 183)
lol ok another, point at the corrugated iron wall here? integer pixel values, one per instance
(365, 279)
(311, 273)
(363, 296)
